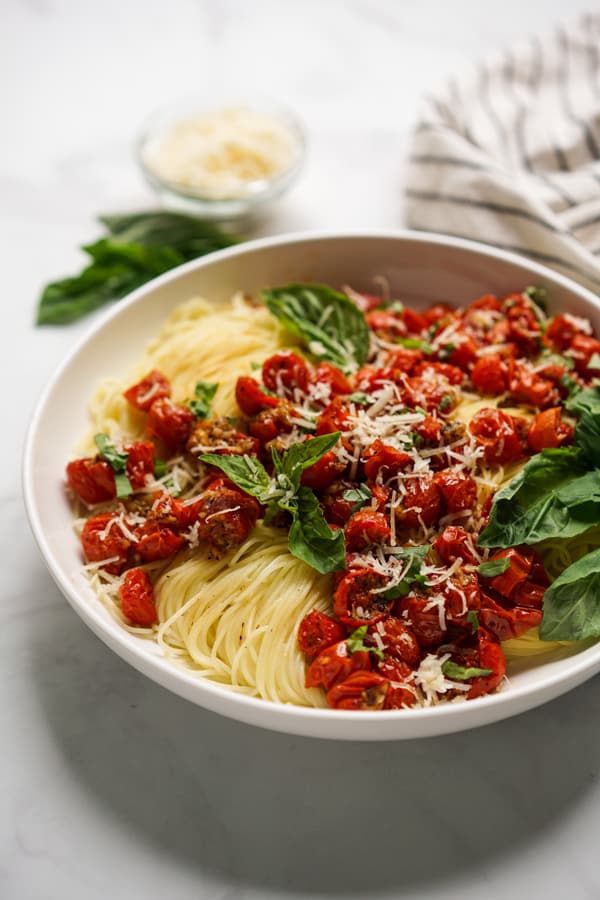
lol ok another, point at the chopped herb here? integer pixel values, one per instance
(394, 306)
(415, 344)
(160, 468)
(356, 642)
(446, 351)
(204, 393)
(446, 402)
(569, 384)
(359, 397)
(538, 295)
(594, 361)
(117, 460)
(461, 673)
(255, 366)
(494, 567)
(360, 496)
(473, 620)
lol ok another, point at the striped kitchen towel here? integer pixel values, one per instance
(509, 153)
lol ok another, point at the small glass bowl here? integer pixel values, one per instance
(253, 196)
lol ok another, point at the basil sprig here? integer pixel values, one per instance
(332, 327)
(117, 460)
(310, 537)
(493, 567)
(137, 247)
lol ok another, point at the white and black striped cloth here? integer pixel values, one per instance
(509, 153)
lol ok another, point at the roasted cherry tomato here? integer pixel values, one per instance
(458, 489)
(218, 435)
(489, 375)
(102, 539)
(581, 349)
(490, 657)
(335, 417)
(382, 459)
(174, 513)
(455, 542)
(396, 640)
(547, 430)
(361, 690)
(433, 369)
(137, 599)
(507, 623)
(498, 433)
(286, 372)
(461, 596)
(358, 598)
(226, 518)
(324, 472)
(157, 542)
(366, 527)
(170, 422)
(421, 502)
(386, 324)
(92, 479)
(317, 632)
(529, 387)
(140, 463)
(335, 664)
(335, 507)
(153, 386)
(423, 618)
(251, 398)
(328, 374)
(400, 693)
(561, 330)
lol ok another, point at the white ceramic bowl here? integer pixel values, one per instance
(420, 269)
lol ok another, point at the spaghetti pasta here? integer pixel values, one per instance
(424, 438)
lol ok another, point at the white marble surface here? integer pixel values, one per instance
(109, 785)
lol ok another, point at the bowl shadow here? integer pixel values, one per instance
(252, 807)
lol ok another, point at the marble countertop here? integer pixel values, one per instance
(109, 785)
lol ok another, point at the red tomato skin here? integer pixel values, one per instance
(507, 623)
(379, 457)
(452, 373)
(335, 508)
(317, 632)
(169, 422)
(157, 542)
(137, 599)
(285, 372)
(560, 333)
(153, 386)
(251, 398)
(547, 430)
(172, 512)
(361, 690)
(399, 694)
(521, 562)
(400, 643)
(414, 321)
(366, 527)
(335, 417)
(437, 311)
(355, 592)
(421, 502)
(140, 463)
(335, 664)
(386, 323)
(489, 375)
(465, 353)
(226, 518)
(114, 543)
(424, 623)
(458, 489)
(581, 349)
(498, 433)
(453, 542)
(324, 472)
(92, 479)
(490, 657)
(402, 360)
(326, 373)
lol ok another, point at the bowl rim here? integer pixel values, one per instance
(307, 721)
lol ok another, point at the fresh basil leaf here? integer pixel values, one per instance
(552, 496)
(473, 620)
(461, 673)
(572, 602)
(594, 361)
(494, 567)
(306, 453)
(247, 472)
(359, 496)
(538, 295)
(137, 248)
(556, 359)
(414, 556)
(445, 402)
(585, 405)
(117, 460)
(312, 540)
(204, 393)
(356, 642)
(332, 327)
